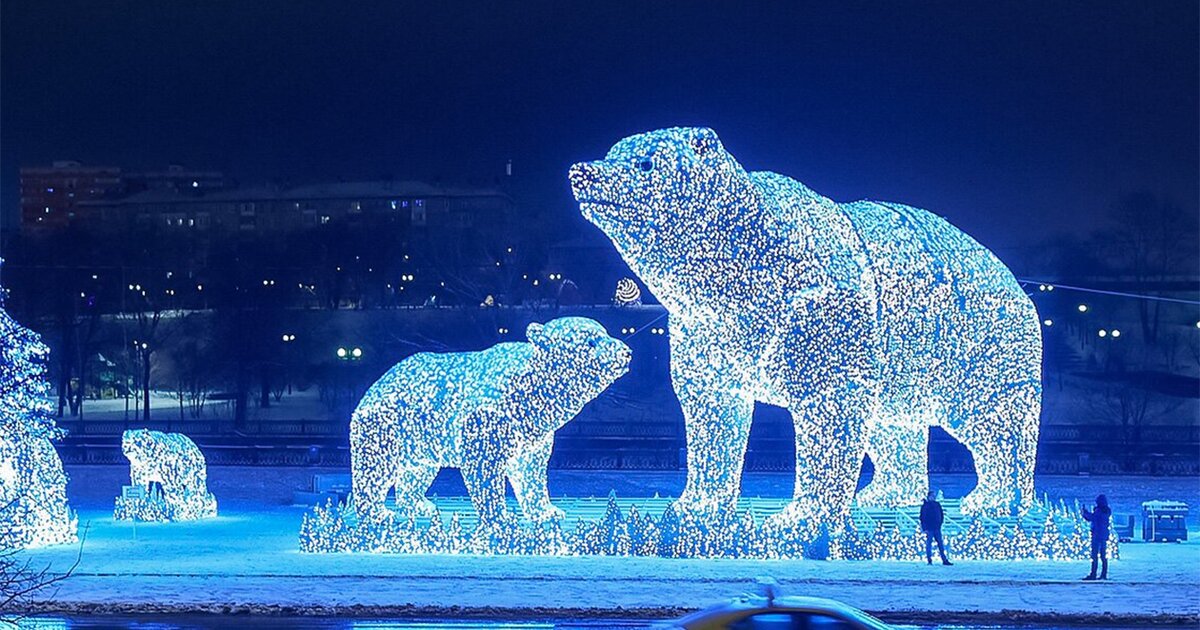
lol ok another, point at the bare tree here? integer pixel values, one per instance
(1131, 405)
(1150, 240)
(20, 579)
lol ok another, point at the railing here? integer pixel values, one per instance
(624, 445)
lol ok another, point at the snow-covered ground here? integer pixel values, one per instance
(247, 559)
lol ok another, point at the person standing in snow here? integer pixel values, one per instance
(1100, 518)
(932, 516)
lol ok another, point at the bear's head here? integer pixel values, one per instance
(661, 196)
(578, 349)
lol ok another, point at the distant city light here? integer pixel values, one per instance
(195, 184)
(1083, 308)
(1047, 322)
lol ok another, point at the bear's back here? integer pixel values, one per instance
(943, 299)
(450, 383)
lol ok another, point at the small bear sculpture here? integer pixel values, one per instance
(870, 322)
(491, 413)
(173, 475)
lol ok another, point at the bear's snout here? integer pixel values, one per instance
(583, 176)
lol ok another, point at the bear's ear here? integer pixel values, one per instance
(705, 143)
(534, 332)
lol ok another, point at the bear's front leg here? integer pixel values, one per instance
(832, 386)
(830, 444)
(527, 474)
(716, 417)
(487, 447)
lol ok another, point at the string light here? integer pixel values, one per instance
(172, 477)
(1055, 533)
(493, 413)
(849, 315)
(33, 487)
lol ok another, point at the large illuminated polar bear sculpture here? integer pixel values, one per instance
(172, 471)
(870, 322)
(491, 413)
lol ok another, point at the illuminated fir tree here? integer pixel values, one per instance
(33, 497)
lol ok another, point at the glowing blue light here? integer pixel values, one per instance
(869, 321)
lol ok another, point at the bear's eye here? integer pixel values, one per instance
(701, 145)
(591, 343)
(646, 164)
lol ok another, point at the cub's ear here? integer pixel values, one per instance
(705, 142)
(535, 333)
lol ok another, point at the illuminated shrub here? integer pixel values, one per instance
(333, 528)
(491, 413)
(870, 322)
(169, 477)
(33, 486)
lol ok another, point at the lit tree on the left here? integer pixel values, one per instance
(33, 486)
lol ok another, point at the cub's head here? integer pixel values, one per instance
(579, 349)
(662, 195)
(138, 442)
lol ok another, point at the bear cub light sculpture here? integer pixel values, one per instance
(168, 479)
(870, 322)
(491, 413)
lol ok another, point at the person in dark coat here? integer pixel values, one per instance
(1100, 519)
(932, 516)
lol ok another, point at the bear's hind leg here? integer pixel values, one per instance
(898, 448)
(1002, 437)
(412, 481)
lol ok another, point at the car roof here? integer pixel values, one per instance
(794, 603)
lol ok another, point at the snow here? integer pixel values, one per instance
(247, 559)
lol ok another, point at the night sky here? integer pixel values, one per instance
(1015, 120)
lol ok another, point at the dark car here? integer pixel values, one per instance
(780, 613)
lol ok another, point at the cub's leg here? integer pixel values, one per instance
(527, 474)
(1001, 431)
(487, 447)
(898, 447)
(412, 481)
(716, 418)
